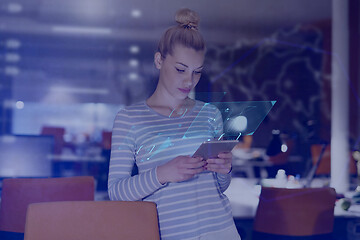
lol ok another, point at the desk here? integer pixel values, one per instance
(68, 165)
(250, 160)
(244, 194)
(244, 160)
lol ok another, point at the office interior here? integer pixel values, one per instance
(68, 66)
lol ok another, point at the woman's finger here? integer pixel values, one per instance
(217, 161)
(193, 165)
(225, 155)
(218, 168)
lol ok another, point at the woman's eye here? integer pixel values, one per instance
(180, 70)
(197, 72)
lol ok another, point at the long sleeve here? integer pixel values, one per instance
(223, 181)
(121, 185)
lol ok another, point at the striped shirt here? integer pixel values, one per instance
(188, 209)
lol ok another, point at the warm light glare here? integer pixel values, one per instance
(136, 13)
(81, 30)
(13, 43)
(134, 49)
(78, 90)
(284, 148)
(133, 76)
(19, 104)
(133, 63)
(238, 124)
(12, 57)
(12, 71)
(14, 7)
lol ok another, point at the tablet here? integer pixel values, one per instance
(211, 149)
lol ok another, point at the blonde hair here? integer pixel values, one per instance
(186, 33)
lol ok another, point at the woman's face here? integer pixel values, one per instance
(180, 71)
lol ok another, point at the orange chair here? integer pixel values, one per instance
(283, 157)
(106, 140)
(294, 213)
(17, 194)
(58, 134)
(92, 220)
(325, 162)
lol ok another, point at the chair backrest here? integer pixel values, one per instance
(18, 193)
(325, 160)
(106, 140)
(58, 134)
(295, 212)
(92, 220)
(283, 157)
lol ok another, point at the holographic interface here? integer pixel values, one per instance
(242, 118)
(239, 118)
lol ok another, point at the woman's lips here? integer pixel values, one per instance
(184, 90)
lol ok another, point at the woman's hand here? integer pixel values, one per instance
(222, 164)
(180, 169)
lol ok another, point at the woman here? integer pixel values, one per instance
(160, 135)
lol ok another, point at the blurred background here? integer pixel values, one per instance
(68, 66)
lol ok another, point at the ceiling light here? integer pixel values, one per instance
(134, 49)
(133, 63)
(81, 30)
(12, 57)
(19, 104)
(14, 7)
(80, 90)
(13, 43)
(133, 76)
(136, 13)
(12, 71)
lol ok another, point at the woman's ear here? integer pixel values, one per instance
(158, 60)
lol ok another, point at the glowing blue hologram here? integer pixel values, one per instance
(238, 124)
(152, 148)
(238, 136)
(171, 113)
(217, 131)
(243, 118)
(239, 118)
(184, 112)
(211, 120)
(137, 152)
(188, 131)
(221, 136)
(159, 148)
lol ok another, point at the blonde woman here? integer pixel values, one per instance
(160, 134)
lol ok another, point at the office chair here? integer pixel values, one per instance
(281, 159)
(58, 134)
(306, 213)
(321, 155)
(18, 193)
(92, 220)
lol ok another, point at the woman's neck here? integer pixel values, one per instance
(171, 108)
(162, 98)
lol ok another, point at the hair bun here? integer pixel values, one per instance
(187, 18)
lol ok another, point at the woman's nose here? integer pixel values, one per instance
(189, 80)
